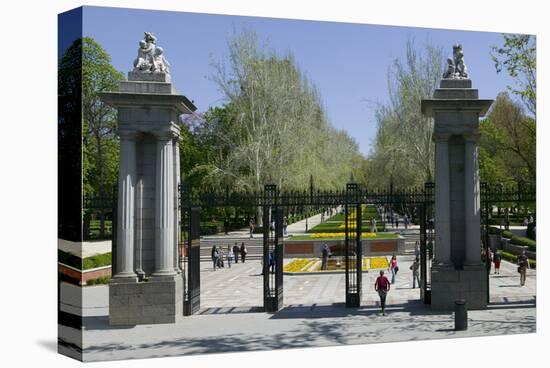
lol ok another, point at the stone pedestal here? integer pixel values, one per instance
(148, 287)
(458, 271)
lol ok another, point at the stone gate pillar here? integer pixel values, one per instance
(148, 287)
(458, 271)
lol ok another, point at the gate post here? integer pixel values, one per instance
(272, 269)
(192, 261)
(353, 247)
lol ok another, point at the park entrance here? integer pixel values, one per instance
(273, 204)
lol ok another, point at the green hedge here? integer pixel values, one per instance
(69, 259)
(531, 231)
(520, 240)
(87, 263)
(99, 281)
(98, 260)
(513, 258)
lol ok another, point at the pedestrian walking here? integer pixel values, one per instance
(373, 225)
(214, 256)
(496, 260)
(523, 265)
(396, 222)
(226, 226)
(324, 257)
(416, 249)
(221, 255)
(406, 221)
(251, 228)
(236, 252)
(285, 225)
(382, 286)
(393, 268)
(243, 252)
(415, 272)
(229, 255)
(272, 261)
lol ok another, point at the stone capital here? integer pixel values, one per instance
(441, 137)
(127, 134)
(472, 137)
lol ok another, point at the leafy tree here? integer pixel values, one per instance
(403, 151)
(273, 128)
(518, 57)
(508, 143)
(101, 148)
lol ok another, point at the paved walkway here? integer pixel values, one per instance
(314, 315)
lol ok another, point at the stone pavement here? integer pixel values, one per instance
(314, 315)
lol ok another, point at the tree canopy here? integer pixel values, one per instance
(403, 151)
(518, 56)
(272, 129)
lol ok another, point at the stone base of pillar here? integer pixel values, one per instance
(158, 300)
(449, 285)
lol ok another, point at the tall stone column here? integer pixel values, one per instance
(456, 109)
(472, 200)
(177, 216)
(126, 206)
(149, 104)
(442, 204)
(164, 207)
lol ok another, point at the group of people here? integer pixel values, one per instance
(382, 285)
(495, 257)
(219, 256)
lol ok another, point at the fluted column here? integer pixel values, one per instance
(442, 201)
(472, 200)
(125, 210)
(176, 203)
(164, 207)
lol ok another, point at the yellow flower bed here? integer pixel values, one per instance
(340, 235)
(299, 265)
(378, 262)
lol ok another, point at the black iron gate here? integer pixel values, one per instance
(272, 250)
(427, 241)
(516, 196)
(191, 264)
(353, 249)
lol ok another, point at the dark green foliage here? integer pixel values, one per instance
(87, 263)
(98, 260)
(513, 258)
(99, 281)
(531, 231)
(69, 259)
(520, 240)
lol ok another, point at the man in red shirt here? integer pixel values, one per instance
(382, 286)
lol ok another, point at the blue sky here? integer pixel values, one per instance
(347, 62)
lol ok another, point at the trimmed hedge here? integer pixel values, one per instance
(99, 281)
(87, 263)
(513, 258)
(521, 240)
(69, 259)
(98, 260)
(531, 231)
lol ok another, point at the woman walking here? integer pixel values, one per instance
(229, 256)
(393, 268)
(414, 268)
(382, 286)
(523, 265)
(214, 256)
(243, 252)
(496, 260)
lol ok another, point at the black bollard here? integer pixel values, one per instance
(461, 315)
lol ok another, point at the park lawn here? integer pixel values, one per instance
(310, 237)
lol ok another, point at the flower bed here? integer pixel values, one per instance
(307, 265)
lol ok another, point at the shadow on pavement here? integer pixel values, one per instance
(303, 311)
